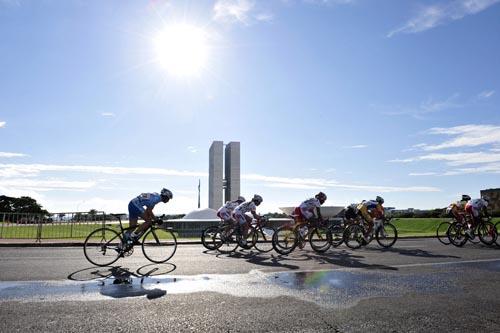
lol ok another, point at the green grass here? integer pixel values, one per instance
(421, 226)
(54, 231)
(50, 231)
(417, 226)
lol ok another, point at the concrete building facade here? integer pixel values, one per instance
(228, 161)
(215, 174)
(232, 171)
(494, 195)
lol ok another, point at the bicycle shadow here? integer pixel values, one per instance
(267, 259)
(123, 286)
(345, 258)
(412, 252)
(120, 282)
(106, 272)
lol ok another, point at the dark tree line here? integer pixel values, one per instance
(20, 205)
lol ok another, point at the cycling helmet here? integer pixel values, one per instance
(379, 199)
(257, 199)
(321, 197)
(166, 194)
(241, 199)
(465, 197)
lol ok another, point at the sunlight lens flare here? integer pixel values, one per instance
(182, 50)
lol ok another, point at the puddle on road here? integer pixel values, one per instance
(331, 288)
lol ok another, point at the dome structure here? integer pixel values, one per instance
(201, 214)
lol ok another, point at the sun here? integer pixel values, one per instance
(182, 50)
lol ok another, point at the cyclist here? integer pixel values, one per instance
(457, 209)
(371, 210)
(309, 211)
(476, 208)
(136, 209)
(242, 219)
(226, 211)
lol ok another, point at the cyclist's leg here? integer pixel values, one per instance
(246, 226)
(368, 219)
(240, 221)
(148, 217)
(134, 213)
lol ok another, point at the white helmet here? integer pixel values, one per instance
(257, 199)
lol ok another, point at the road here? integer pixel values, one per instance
(419, 285)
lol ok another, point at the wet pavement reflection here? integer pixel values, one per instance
(331, 288)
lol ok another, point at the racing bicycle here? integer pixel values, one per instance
(106, 245)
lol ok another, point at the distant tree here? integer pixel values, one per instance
(20, 205)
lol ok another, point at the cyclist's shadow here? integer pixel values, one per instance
(118, 282)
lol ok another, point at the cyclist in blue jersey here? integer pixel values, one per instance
(136, 209)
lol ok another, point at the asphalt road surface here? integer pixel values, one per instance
(417, 286)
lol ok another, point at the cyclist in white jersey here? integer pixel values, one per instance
(136, 209)
(226, 211)
(476, 208)
(239, 214)
(310, 209)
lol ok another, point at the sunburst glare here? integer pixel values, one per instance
(182, 50)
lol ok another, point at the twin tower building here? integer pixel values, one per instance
(223, 173)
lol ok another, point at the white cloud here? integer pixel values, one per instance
(264, 17)
(244, 12)
(37, 168)
(357, 146)
(46, 185)
(9, 155)
(465, 136)
(426, 107)
(12, 172)
(488, 168)
(486, 94)
(438, 14)
(318, 184)
(2, 124)
(455, 159)
(108, 114)
(192, 149)
(233, 11)
(422, 174)
(486, 139)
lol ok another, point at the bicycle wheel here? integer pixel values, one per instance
(337, 233)
(101, 247)
(285, 240)
(264, 241)
(353, 236)
(208, 236)
(320, 239)
(387, 235)
(159, 245)
(226, 241)
(487, 233)
(457, 235)
(442, 232)
(251, 239)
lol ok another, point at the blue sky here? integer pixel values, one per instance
(355, 98)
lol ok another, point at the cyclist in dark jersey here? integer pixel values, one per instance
(136, 210)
